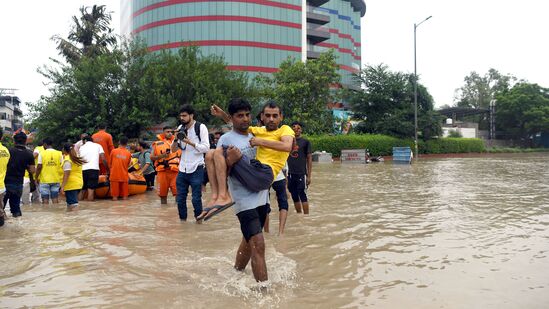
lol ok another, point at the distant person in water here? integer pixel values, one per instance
(300, 166)
(119, 163)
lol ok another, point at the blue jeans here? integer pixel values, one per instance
(182, 183)
(49, 190)
(72, 197)
(13, 195)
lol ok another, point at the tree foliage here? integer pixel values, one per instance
(302, 89)
(128, 87)
(90, 35)
(523, 111)
(478, 91)
(386, 104)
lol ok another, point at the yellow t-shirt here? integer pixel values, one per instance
(51, 166)
(273, 158)
(4, 158)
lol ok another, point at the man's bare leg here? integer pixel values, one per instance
(221, 166)
(243, 255)
(297, 206)
(55, 200)
(283, 214)
(305, 208)
(210, 169)
(259, 266)
(90, 195)
(266, 226)
(253, 250)
(45, 200)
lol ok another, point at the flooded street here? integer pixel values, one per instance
(442, 233)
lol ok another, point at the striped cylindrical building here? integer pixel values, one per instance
(252, 35)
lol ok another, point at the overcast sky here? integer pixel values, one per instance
(462, 36)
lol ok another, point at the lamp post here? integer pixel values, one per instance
(415, 87)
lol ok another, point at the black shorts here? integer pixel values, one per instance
(252, 221)
(297, 187)
(252, 174)
(91, 179)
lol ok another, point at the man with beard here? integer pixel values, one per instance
(193, 141)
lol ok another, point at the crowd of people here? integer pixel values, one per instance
(241, 166)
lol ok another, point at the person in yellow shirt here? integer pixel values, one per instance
(4, 159)
(72, 176)
(49, 172)
(256, 174)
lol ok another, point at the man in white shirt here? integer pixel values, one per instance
(193, 144)
(91, 153)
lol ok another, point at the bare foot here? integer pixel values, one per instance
(233, 155)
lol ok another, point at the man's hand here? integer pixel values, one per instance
(186, 141)
(62, 191)
(308, 182)
(256, 141)
(216, 111)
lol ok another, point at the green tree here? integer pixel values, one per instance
(303, 91)
(90, 35)
(124, 85)
(386, 104)
(523, 111)
(478, 91)
(169, 79)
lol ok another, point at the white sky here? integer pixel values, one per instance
(462, 36)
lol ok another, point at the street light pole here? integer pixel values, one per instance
(415, 87)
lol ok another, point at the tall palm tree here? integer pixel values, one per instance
(91, 35)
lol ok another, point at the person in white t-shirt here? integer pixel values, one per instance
(92, 153)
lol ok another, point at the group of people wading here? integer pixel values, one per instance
(241, 167)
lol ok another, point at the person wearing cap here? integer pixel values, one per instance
(21, 160)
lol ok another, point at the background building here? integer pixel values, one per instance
(10, 111)
(252, 35)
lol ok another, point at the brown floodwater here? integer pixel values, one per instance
(441, 233)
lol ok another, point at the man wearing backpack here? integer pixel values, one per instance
(146, 167)
(193, 141)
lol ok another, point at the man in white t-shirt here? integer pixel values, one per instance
(92, 153)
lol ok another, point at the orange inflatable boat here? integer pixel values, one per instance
(137, 185)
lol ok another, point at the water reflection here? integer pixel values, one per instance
(458, 233)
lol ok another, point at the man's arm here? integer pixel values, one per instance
(204, 144)
(110, 144)
(32, 170)
(105, 164)
(173, 148)
(220, 113)
(38, 170)
(285, 143)
(309, 168)
(153, 157)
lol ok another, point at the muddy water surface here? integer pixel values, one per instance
(442, 233)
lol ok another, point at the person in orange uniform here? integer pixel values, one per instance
(104, 139)
(166, 163)
(119, 163)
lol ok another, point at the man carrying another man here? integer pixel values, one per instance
(249, 179)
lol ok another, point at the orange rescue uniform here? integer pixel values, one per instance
(119, 161)
(167, 168)
(105, 140)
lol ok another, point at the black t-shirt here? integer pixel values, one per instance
(297, 161)
(20, 159)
